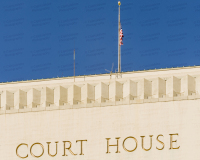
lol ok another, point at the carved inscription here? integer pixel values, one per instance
(67, 146)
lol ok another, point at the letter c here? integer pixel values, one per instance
(18, 148)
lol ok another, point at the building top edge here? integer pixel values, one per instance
(104, 89)
(96, 75)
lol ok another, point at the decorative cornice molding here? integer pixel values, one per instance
(101, 90)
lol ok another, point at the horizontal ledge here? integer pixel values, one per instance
(104, 104)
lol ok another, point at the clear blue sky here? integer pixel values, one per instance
(38, 37)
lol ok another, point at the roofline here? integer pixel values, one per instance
(94, 75)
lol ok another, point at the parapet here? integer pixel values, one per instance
(126, 88)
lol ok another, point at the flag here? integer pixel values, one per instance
(120, 37)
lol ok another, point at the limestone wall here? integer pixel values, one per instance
(170, 131)
(147, 115)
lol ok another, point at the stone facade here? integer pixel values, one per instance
(101, 90)
(134, 115)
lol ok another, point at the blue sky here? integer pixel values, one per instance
(38, 37)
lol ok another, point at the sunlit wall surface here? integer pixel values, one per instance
(37, 38)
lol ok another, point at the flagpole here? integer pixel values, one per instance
(74, 65)
(119, 47)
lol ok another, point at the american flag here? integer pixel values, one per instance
(120, 37)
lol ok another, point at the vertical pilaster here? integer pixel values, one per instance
(47, 97)
(33, 98)
(74, 94)
(158, 88)
(188, 85)
(173, 87)
(101, 92)
(87, 93)
(7, 100)
(115, 91)
(20, 99)
(60, 96)
(144, 89)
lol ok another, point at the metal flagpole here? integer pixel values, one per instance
(119, 47)
(74, 65)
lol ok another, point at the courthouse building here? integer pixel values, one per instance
(140, 115)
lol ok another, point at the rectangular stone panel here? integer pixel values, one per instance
(101, 92)
(87, 93)
(115, 91)
(74, 94)
(7, 100)
(144, 89)
(33, 98)
(173, 86)
(129, 90)
(158, 88)
(188, 85)
(60, 95)
(20, 99)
